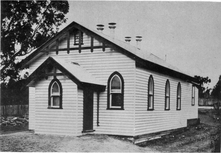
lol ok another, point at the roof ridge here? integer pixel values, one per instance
(140, 53)
(144, 54)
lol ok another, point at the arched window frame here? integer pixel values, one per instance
(167, 95)
(51, 96)
(150, 97)
(110, 94)
(179, 94)
(193, 96)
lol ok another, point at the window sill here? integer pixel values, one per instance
(115, 109)
(150, 109)
(49, 107)
(167, 109)
(178, 109)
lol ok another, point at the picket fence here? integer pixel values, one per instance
(14, 110)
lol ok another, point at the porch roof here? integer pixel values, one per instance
(74, 71)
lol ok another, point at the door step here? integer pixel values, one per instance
(88, 131)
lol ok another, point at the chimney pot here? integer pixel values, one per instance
(128, 39)
(138, 39)
(112, 26)
(100, 27)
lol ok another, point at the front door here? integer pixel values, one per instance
(88, 111)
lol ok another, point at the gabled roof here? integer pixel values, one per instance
(145, 55)
(73, 70)
(142, 58)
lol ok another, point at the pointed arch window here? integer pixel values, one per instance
(167, 95)
(115, 91)
(150, 103)
(178, 106)
(55, 94)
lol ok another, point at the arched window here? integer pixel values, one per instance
(167, 95)
(115, 91)
(193, 95)
(55, 94)
(178, 106)
(150, 103)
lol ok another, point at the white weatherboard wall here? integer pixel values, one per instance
(101, 65)
(31, 108)
(134, 119)
(58, 121)
(62, 45)
(79, 110)
(147, 121)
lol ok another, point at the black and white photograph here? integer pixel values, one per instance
(110, 76)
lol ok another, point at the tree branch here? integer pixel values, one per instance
(19, 53)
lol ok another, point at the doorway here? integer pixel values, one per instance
(88, 110)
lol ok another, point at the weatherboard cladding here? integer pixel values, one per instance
(31, 108)
(159, 119)
(58, 121)
(80, 111)
(103, 64)
(135, 119)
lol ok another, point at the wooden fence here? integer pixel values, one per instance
(14, 110)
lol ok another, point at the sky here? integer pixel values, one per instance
(185, 34)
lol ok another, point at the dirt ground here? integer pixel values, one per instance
(29, 142)
(192, 139)
(199, 138)
(202, 138)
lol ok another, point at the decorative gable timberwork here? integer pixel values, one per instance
(68, 41)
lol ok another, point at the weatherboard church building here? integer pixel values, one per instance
(84, 81)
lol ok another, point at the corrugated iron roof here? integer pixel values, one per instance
(73, 70)
(145, 55)
(79, 72)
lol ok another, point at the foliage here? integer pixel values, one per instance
(14, 93)
(203, 92)
(25, 25)
(216, 93)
